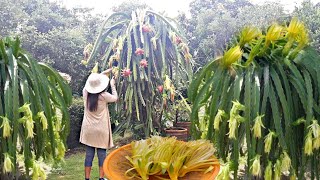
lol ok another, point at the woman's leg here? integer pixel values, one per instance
(88, 161)
(101, 156)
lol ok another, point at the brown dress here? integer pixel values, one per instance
(96, 126)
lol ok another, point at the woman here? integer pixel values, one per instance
(96, 127)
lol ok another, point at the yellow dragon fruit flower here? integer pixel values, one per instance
(218, 119)
(256, 167)
(43, 120)
(231, 56)
(268, 171)
(249, 33)
(268, 142)
(293, 32)
(7, 164)
(285, 162)
(6, 129)
(95, 68)
(308, 144)
(257, 126)
(274, 33)
(294, 28)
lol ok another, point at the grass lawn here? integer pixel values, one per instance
(74, 168)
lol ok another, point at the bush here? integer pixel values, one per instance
(76, 117)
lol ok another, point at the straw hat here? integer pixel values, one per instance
(96, 83)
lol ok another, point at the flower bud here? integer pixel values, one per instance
(315, 128)
(218, 119)
(43, 120)
(257, 126)
(35, 171)
(268, 142)
(268, 171)
(316, 143)
(224, 173)
(6, 129)
(61, 150)
(26, 110)
(256, 168)
(286, 162)
(293, 176)
(236, 107)
(308, 144)
(277, 170)
(233, 126)
(7, 165)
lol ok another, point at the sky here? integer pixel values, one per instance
(171, 7)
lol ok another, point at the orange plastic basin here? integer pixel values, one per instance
(115, 166)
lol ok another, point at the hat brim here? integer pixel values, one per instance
(104, 81)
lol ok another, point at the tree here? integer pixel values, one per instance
(34, 118)
(213, 23)
(52, 34)
(310, 14)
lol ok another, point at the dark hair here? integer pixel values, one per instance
(92, 101)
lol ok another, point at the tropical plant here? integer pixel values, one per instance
(261, 103)
(34, 119)
(154, 61)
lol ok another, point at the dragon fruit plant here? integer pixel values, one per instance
(260, 103)
(148, 49)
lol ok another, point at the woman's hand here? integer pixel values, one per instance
(107, 72)
(112, 82)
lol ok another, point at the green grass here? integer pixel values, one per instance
(73, 169)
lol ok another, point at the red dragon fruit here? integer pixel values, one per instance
(143, 63)
(139, 51)
(126, 72)
(160, 88)
(146, 28)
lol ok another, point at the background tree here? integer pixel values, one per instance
(52, 34)
(310, 14)
(213, 23)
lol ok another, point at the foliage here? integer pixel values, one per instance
(213, 23)
(76, 116)
(52, 34)
(310, 14)
(154, 61)
(261, 103)
(31, 126)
